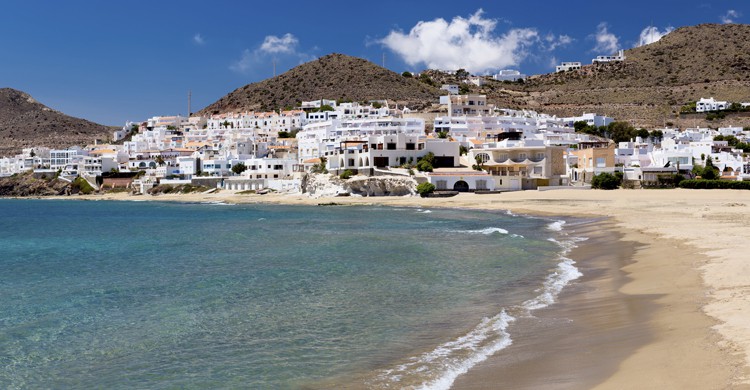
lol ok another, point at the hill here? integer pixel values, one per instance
(24, 122)
(335, 76)
(651, 85)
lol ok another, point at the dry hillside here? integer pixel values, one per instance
(335, 76)
(651, 85)
(24, 122)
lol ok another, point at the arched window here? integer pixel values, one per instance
(483, 157)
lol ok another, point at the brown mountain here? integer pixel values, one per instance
(651, 85)
(335, 76)
(24, 122)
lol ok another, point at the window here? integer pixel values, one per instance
(522, 156)
(391, 146)
(600, 162)
(441, 184)
(537, 170)
(410, 146)
(481, 184)
(483, 157)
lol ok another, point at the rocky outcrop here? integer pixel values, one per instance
(381, 186)
(27, 185)
(324, 185)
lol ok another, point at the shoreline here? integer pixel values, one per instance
(683, 232)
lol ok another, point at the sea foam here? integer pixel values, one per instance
(448, 361)
(486, 231)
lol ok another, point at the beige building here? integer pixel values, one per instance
(592, 158)
(523, 164)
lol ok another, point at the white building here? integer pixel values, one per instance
(566, 66)
(703, 105)
(591, 119)
(451, 88)
(476, 80)
(620, 56)
(392, 150)
(320, 139)
(509, 75)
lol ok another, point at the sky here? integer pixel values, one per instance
(117, 61)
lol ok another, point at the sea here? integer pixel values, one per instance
(160, 295)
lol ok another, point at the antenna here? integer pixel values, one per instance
(384, 59)
(190, 95)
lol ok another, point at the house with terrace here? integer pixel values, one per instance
(522, 164)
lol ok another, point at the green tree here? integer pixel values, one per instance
(407, 74)
(462, 74)
(643, 133)
(709, 172)
(425, 188)
(620, 131)
(426, 163)
(579, 125)
(320, 167)
(605, 181)
(463, 150)
(239, 168)
(657, 135)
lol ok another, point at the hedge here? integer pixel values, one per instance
(715, 184)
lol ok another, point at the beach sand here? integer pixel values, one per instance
(663, 305)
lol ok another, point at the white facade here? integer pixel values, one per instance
(566, 66)
(703, 105)
(323, 138)
(591, 119)
(509, 75)
(476, 80)
(620, 56)
(451, 88)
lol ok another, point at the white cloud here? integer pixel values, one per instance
(730, 16)
(469, 43)
(198, 39)
(282, 49)
(652, 34)
(552, 42)
(284, 44)
(246, 61)
(606, 42)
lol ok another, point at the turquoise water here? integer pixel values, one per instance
(166, 295)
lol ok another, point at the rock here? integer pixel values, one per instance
(324, 185)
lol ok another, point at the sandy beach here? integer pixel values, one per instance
(669, 309)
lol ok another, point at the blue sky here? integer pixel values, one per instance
(113, 61)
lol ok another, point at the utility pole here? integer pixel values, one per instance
(190, 95)
(384, 59)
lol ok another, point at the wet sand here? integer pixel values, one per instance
(607, 331)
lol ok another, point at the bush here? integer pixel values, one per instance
(605, 181)
(424, 166)
(82, 186)
(425, 188)
(346, 174)
(714, 184)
